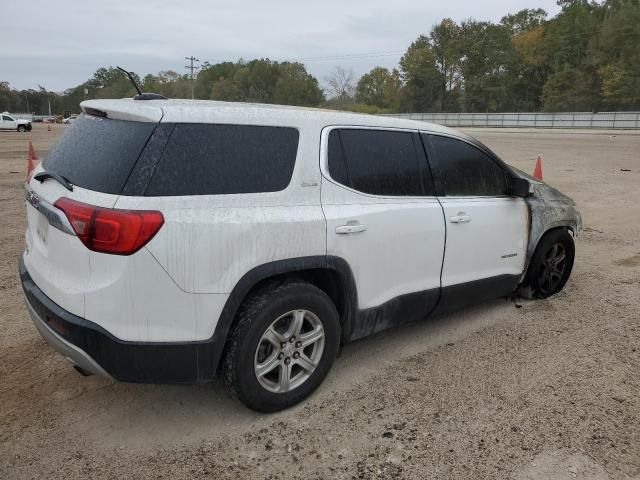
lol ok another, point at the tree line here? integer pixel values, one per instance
(586, 58)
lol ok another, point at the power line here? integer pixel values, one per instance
(191, 67)
(350, 56)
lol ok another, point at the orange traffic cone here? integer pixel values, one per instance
(537, 172)
(30, 161)
(32, 152)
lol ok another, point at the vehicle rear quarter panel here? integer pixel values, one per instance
(134, 299)
(208, 249)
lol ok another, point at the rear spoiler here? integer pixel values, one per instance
(124, 109)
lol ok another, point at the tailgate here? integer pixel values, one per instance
(96, 156)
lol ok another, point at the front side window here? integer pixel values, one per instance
(213, 159)
(7, 119)
(377, 162)
(460, 169)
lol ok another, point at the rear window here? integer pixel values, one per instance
(99, 153)
(212, 159)
(377, 162)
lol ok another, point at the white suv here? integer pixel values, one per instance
(171, 241)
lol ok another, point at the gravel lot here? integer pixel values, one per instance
(548, 390)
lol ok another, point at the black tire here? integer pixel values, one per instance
(547, 275)
(22, 128)
(256, 315)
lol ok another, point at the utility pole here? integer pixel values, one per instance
(191, 67)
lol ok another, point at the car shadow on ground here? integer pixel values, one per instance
(143, 415)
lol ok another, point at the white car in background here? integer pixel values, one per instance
(8, 122)
(171, 241)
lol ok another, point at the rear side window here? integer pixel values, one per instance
(98, 153)
(460, 169)
(211, 159)
(377, 162)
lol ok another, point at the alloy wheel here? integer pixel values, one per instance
(289, 351)
(553, 268)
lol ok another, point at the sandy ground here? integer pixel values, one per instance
(549, 390)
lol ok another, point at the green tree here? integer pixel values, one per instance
(524, 20)
(209, 74)
(263, 81)
(380, 87)
(422, 80)
(529, 69)
(487, 66)
(112, 83)
(618, 55)
(296, 87)
(445, 41)
(568, 44)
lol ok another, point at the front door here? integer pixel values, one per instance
(6, 122)
(487, 230)
(385, 221)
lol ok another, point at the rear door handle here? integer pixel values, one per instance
(461, 217)
(350, 228)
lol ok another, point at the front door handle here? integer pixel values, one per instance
(461, 217)
(350, 228)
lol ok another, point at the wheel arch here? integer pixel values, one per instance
(560, 226)
(572, 229)
(331, 274)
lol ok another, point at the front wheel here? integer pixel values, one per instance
(550, 265)
(282, 346)
(22, 128)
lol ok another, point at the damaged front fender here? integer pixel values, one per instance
(548, 209)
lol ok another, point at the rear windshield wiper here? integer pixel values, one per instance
(42, 176)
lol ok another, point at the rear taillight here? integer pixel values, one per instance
(106, 230)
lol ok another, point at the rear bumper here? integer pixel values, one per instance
(95, 350)
(68, 350)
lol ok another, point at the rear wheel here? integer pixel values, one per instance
(283, 345)
(550, 265)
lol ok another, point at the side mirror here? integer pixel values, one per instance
(521, 187)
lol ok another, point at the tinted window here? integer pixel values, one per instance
(377, 162)
(7, 119)
(460, 169)
(207, 159)
(98, 153)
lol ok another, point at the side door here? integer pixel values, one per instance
(383, 218)
(487, 229)
(6, 122)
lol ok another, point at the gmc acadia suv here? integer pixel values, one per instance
(173, 241)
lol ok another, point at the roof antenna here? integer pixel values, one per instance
(142, 96)
(131, 78)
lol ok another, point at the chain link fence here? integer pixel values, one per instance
(530, 120)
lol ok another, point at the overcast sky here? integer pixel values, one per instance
(60, 43)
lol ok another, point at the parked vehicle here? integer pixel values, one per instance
(8, 122)
(173, 241)
(70, 119)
